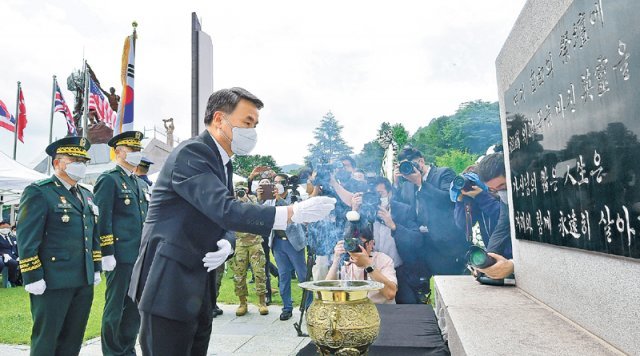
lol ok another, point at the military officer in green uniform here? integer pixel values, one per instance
(123, 199)
(60, 250)
(249, 251)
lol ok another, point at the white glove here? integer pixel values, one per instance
(312, 209)
(6, 257)
(37, 287)
(213, 260)
(96, 278)
(108, 263)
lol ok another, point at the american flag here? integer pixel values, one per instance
(61, 106)
(100, 104)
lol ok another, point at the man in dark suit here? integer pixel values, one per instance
(426, 190)
(60, 250)
(191, 209)
(123, 199)
(8, 253)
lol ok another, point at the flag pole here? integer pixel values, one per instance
(16, 126)
(53, 105)
(85, 113)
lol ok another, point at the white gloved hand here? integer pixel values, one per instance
(108, 263)
(37, 287)
(213, 260)
(96, 278)
(6, 257)
(312, 209)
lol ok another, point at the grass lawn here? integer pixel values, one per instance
(15, 315)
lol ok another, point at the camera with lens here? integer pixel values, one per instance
(324, 171)
(241, 192)
(352, 244)
(293, 181)
(370, 204)
(477, 257)
(462, 182)
(408, 167)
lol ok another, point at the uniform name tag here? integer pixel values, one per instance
(64, 206)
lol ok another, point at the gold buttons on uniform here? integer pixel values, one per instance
(53, 258)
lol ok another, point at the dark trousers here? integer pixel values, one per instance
(165, 337)
(59, 320)
(12, 266)
(410, 288)
(120, 320)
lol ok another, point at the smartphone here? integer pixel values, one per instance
(268, 191)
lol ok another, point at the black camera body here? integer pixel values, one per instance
(408, 167)
(241, 192)
(323, 173)
(352, 244)
(462, 183)
(370, 205)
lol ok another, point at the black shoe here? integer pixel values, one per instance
(267, 300)
(286, 315)
(216, 311)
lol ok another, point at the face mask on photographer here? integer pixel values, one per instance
(280, 188)
(5, 231)
(244, 138)
(503, 196)
(384, 201)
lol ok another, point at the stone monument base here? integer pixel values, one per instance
(478, 319)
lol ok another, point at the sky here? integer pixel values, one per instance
(365, 61)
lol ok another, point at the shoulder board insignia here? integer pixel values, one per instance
(42, 182)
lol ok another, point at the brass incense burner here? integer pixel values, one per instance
(342, 320)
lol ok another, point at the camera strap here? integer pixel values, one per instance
(468, 222)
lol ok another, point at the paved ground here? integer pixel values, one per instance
(252, 334)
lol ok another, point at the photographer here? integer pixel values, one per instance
(365, 264)
(491, 171)
(287, 246)
(426, 190)
(396, 234)
(474, 205)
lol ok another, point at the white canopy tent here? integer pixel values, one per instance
(14, 177)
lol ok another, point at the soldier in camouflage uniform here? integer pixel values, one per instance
(249, 251)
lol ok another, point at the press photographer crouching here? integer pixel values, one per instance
(354, 259)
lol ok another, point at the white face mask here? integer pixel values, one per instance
(384, 201)
(133, 158)
(503, 196)
(244, 139)
(5, 231)
(280, 188)
(254, 186)
(76, 170)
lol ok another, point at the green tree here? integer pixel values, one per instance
(456, 160)
(243, 165)
(329, 142)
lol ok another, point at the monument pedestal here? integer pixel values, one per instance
(486, 320)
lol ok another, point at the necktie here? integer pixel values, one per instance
(229, 166)
(76, 193)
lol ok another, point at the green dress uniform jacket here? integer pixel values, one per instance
(123, 201)
(58, 242)
(57, 236)
(123, 198)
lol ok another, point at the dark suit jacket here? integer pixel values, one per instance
(191, 209)
(9, 247)
(445, 240)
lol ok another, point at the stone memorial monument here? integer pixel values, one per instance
(568, 77)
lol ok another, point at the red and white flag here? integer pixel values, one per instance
(22, 116)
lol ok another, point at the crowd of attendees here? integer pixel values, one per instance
(399, 232)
